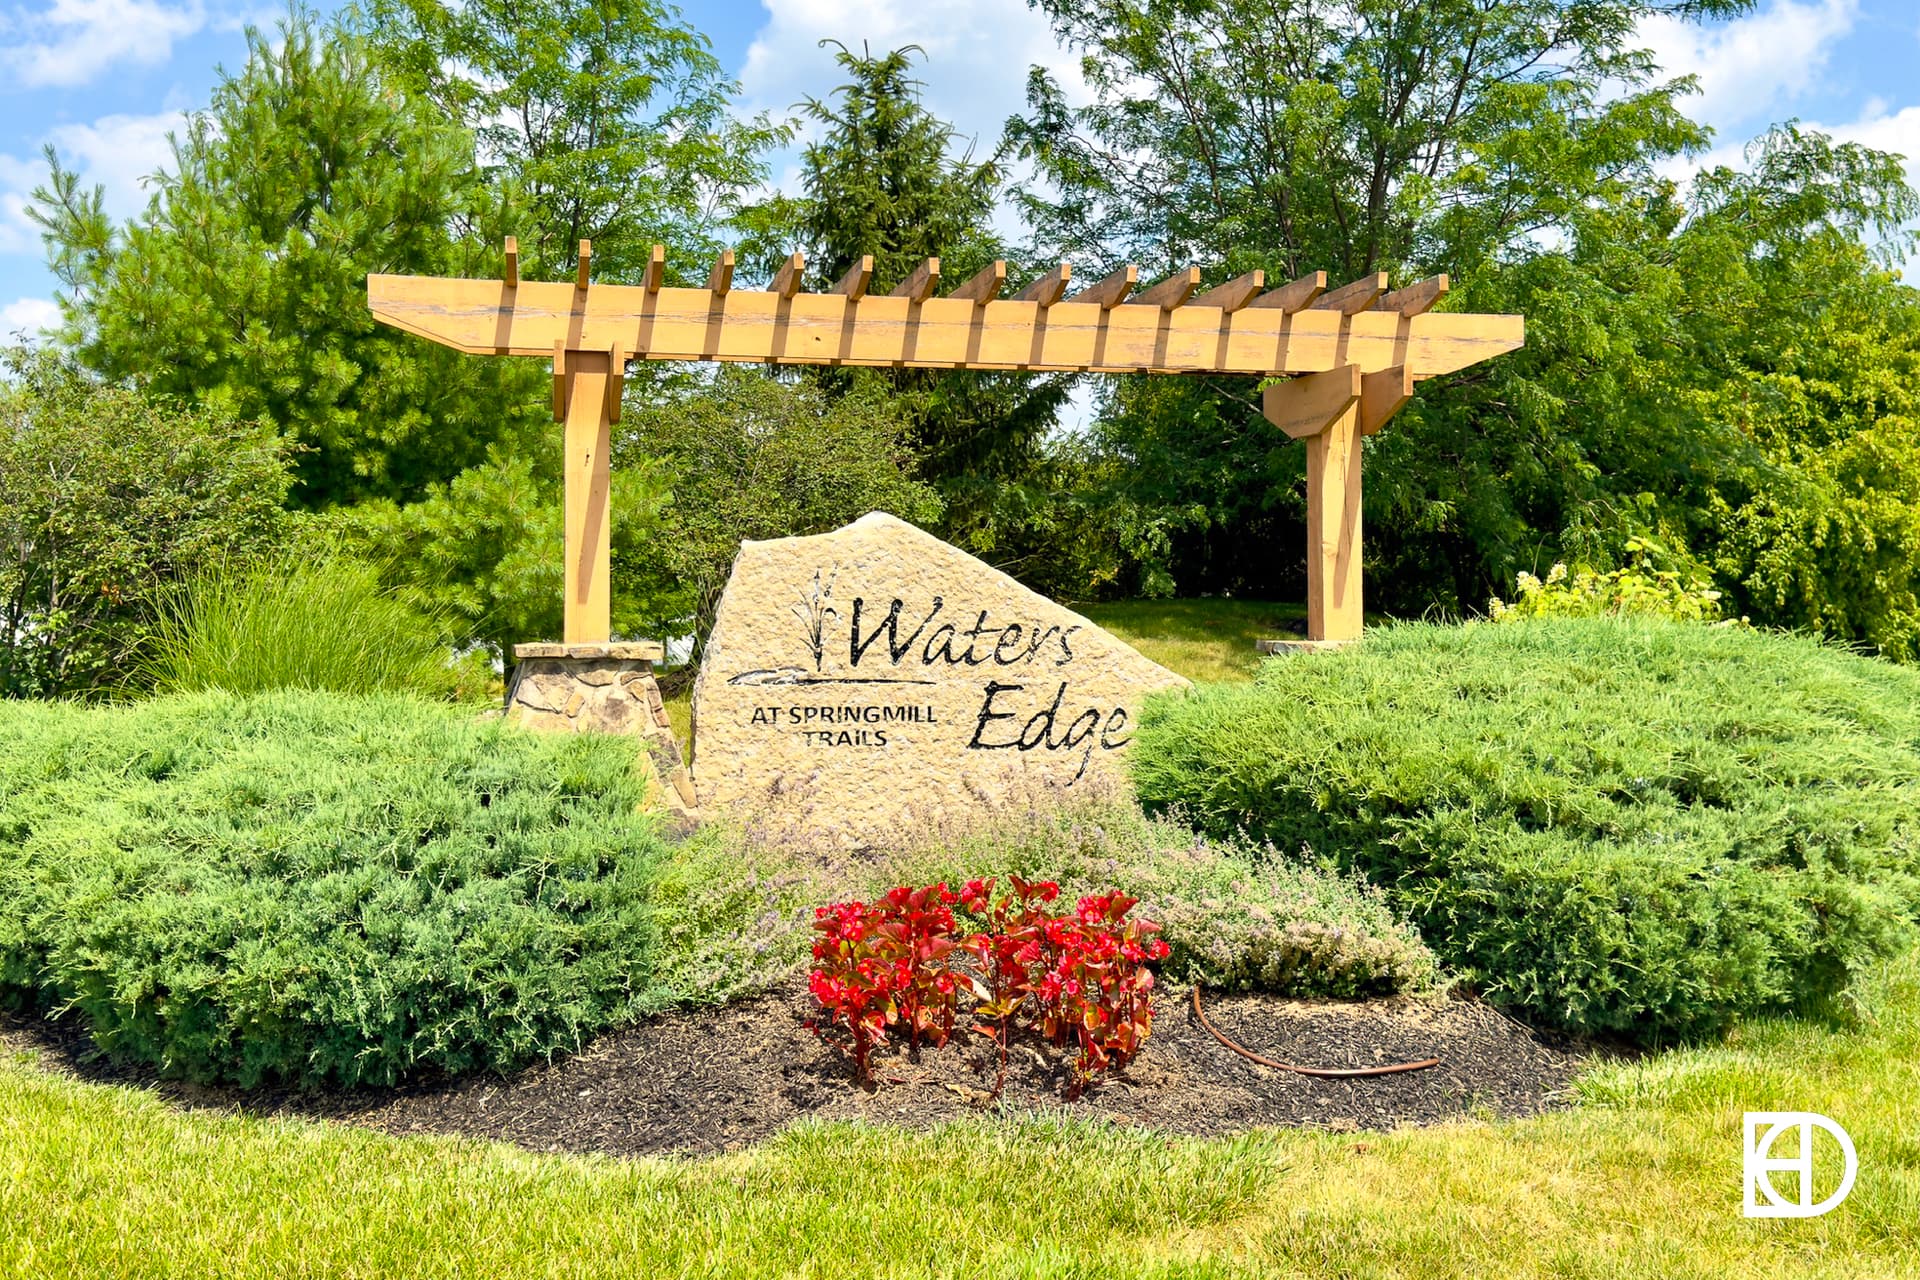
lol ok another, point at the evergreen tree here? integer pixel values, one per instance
(886, 177)
(243, 283)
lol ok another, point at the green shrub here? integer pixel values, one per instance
(325, 889)
(299, 622)
(1236, 915)
(1627, 826)
(108, 497)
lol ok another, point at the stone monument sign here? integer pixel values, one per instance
(884, 679)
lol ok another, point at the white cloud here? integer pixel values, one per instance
(120, 152)
(26, 317)
(1751, 67)
(73, 42)
(116, 152)
(974, 71)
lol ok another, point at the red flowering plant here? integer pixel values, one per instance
(885, 964)
(1097, 991)
(1079, 978)
(1007, 953)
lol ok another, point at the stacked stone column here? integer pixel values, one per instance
(600, 688)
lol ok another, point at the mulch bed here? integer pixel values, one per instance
(717, 1079)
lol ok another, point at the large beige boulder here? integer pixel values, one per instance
(877, 680)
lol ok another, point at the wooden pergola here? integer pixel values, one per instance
(1352, 356)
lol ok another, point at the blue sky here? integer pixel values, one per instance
(104, 80)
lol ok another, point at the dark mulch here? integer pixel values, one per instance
(716, 1079)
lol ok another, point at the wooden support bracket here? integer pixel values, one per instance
(580, 273)
(984, 285)
(616, 381)
(1324, 410)
(510, 271)
(1234, 294)
(560, 381)
(1308, 405)
(1297, 295)
(1383, 394)
(656, 268)
(720, 279)
(854, 283)
(1049, 288)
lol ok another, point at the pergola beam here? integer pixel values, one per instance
(1112, 291)
(1049, 288)
(1351, 358)
(984, 285)
(919, 286)
(1415, 299)
(1171, 293)
(789, 327)
(1350, 299)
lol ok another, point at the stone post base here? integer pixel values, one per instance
(601, 688)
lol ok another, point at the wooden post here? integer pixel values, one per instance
(1323, 409)
(588, 610)
(1332, 411)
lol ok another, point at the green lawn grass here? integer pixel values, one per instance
(1642, 1180)
(1203, 640)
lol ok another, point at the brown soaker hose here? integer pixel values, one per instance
(1348, 1073)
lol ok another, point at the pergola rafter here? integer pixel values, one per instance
(1353, 355)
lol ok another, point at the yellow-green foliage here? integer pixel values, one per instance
(1643, 587)
(1632, 826)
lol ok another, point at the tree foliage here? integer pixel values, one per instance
(243, 283)
(108, 498)
(753, 457)
(610, 121)
(885, 177)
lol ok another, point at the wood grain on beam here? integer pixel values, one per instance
(1048, 289)
(1294, 296)
(854, 284)
(1383, 393)
(1234, 294)
(1308, 405)
(1112, 291)
(984, 285)
(919, 286)
(484, 317)
(1171, 293)
(1415, 299)
(1350, 298)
